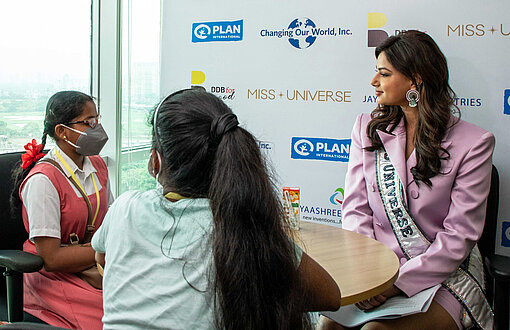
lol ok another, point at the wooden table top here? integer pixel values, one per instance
(362, 267)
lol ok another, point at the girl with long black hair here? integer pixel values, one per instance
(209, 249)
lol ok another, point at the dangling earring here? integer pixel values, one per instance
(413, 97)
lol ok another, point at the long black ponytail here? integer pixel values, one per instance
(206, 154)
(62, 107)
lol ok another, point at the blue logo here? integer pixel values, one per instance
(217, 31)
(505, 234)
(303, 36)
(302, 32)
(507, 102)
(320, 149)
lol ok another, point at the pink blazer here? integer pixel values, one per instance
(451, 213)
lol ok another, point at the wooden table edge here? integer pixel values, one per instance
(356, 297)
(352, 299)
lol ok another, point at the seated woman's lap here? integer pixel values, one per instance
(444, 313)
(436, 318)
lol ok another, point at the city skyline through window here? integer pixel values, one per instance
(45, 48)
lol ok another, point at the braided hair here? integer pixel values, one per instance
(62, 107)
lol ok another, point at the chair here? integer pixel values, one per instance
(496, 267)
(12, 236)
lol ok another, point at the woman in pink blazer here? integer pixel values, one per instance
(417, 181)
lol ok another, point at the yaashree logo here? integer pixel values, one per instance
(320, 149)
(217, 31)
(302, 32)
(320, 214)
(338, 197)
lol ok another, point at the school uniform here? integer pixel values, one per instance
(53, 207)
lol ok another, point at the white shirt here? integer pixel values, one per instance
(41, 199)
(159, 263)
(154, 250)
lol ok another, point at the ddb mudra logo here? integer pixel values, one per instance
(320, 149)
(376, 21)
(376, 35)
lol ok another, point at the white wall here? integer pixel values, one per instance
(334, 65)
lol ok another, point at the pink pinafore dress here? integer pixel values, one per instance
(58, 298)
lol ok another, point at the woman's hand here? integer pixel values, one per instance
(378, 300)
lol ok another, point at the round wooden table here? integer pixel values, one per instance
(361, 266)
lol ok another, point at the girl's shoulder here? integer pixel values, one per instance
(98, 163)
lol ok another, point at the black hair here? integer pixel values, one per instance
(207, 155)
(418, 57)
(62, 108)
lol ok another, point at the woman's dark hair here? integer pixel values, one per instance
(62, 108)
(417, 56)
(206, 155)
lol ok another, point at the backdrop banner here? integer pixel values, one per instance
(297, 73)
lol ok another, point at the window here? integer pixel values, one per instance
(45, 48)
(140, 89)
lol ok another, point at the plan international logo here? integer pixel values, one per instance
(217, 31)
(320, 149)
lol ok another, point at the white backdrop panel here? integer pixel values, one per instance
(333, 75)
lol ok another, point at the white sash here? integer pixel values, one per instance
(467, 284)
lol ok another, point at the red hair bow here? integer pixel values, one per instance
(33, 153)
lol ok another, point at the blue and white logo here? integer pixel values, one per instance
(505, 234)
(303, 36)
(320, 149)
(302, 32)
(507, 102)
(217, 31)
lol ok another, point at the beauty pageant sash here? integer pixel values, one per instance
(467, 284)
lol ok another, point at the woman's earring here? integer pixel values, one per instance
(413, 97)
